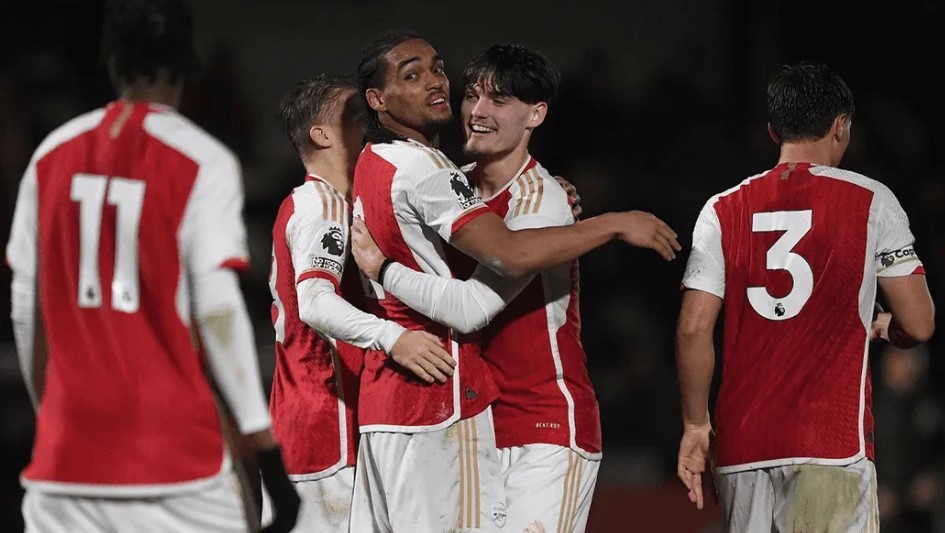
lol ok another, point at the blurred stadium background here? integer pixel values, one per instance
(663, 105)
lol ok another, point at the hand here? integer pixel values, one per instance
(574, 199)
(644, 230)
(285, 500)
(422, 353)
(366, 253)
(693, 462)
(880, 328)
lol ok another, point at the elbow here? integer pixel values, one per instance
(920, 332)
(689, 331)
(471, 326)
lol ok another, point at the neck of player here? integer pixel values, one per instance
(428, 138)
(492, 173)
(819, 152)
(159, 91)
(330, 169)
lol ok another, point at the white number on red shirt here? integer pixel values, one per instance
(127, 195)
(794, 224)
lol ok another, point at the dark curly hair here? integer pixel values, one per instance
(307, 102)
(141, 37)
(371, 71)
(804, 100)
(514, 70)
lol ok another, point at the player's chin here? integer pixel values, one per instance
(475, 150)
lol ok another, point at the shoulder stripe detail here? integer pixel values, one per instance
(333, 206)
(439, 160)
(531, 190)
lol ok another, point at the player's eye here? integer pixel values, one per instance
(411, 76)
(438, 69)
(471, 96)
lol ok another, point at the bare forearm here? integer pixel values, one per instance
(695, 361)
(536, 250)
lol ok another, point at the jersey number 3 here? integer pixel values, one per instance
(794, 224)
(127, 195)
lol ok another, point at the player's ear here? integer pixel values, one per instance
(374, 99)
(538, 113)
(773, 135)
(320, 136)
(839, 126)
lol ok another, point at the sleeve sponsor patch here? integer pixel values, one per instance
(887, 260)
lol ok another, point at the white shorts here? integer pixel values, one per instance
(437, 481)
(801, 498)
(549, 488)
(216, 508)
(326, 503)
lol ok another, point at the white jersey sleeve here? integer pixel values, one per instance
(537, 201)
(705, 270)
(213, 238)
(317, 235)
(213, 233)
(22, 257)
(895, 251)
(442, 196)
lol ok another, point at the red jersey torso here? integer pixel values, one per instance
(121, 194)
(413, 199)
(534, 345)
(795, 253)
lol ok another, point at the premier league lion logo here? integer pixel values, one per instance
(333, 242)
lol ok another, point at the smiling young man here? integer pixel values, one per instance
(428, 458)
(547, 422)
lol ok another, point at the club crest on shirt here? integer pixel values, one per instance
(333, 241)
(895, 257)
(464, 193)
(497, 512)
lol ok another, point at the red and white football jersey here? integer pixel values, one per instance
(314, 387)
(117, 208)
(795, 253)
(413, 199)
(533, 346)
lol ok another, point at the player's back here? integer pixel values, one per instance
(799, 246)
(413, 198)
(121, 228)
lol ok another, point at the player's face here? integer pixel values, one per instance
(416, 91)
(494, 124)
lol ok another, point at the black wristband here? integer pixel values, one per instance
(380, 273)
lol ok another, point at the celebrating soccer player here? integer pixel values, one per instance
(795, 253)
(427, 456)
(547, 422)
(315, 389)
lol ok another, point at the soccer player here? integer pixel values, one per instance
(427, 454)
(314, 392)
(795, 252)
(547, 421)
(127, 232)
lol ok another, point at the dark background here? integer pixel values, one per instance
(662, 106)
